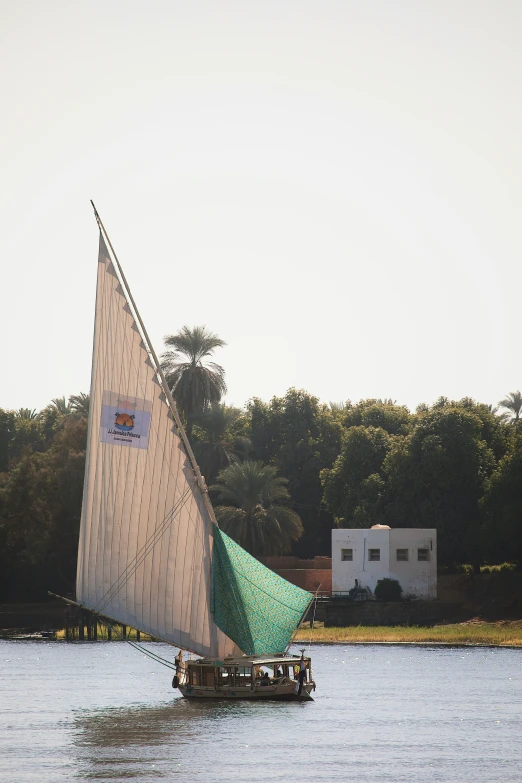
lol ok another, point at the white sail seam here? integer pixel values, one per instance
(153, 426)
(112, 533)
(115, 456)
(105, 313)
(199, 533)
(165, 462)
(137, 340)
(132, 310)
(118, 325)
(131, 568)
(140, 556)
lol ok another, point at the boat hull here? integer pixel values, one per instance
(260, 693)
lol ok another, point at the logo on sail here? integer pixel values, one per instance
(124, 422)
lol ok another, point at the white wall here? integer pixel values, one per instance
(418, 578)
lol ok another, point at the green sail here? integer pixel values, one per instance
(252, 605)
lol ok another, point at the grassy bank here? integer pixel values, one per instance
(497, 634)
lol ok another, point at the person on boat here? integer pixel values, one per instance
(302, 674)
(265, 679)
(178, 660)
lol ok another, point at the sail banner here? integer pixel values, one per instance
(252, 605)
(125, 420)
(146, 535)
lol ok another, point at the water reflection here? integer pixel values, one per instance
(152, 742)
(175, 723)
(113, 744)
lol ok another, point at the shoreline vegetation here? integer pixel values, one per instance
(504, 633)
(338, 465)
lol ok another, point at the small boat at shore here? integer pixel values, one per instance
(151, 554)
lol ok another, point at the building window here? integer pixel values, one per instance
(423, 554)
(402, 554)
(374, 554)
(346, 554)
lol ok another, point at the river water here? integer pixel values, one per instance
(105, 712)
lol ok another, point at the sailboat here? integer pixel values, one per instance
(151, 554)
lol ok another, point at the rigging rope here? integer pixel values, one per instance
(152, 655)
(140, 556)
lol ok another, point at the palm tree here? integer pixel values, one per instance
(63, 408)
(513, 403)
(79, 403)
(194, 385)
(256, 517)
(222, 442)
(26, 414)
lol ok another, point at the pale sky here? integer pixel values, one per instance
(335, 188)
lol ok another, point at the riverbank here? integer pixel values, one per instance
(16, 619)
(502, 633)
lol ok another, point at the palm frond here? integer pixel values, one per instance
(513, 403)
(26, 414)
(61, 405)
(195, 343)
(80, 403)
(253, 511)
(194, 385)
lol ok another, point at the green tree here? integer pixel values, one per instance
(40, 506)
(354, 488)
(256, 514)
(29, 434)
(300, 437)
(337, 408)
(386, 414)
(435, 478)
(493, 428)
(218, 439)
(7, 434)
(513, 404)
(502, 505)
(195, 384)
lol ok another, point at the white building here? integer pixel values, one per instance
(406, 554)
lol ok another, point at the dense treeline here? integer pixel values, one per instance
(42, 459)
(281, 474)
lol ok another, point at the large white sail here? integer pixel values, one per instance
(146, 534)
